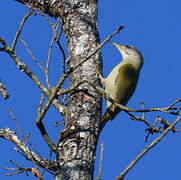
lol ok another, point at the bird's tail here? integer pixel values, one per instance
(106, 117)
(110, 113)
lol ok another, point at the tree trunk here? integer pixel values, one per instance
(77, 150)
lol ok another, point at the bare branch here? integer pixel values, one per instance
(153, 109)
(8, 134)
(4, 44)
(49, 52)
(26, 140)
(43, 112)
(24, 68)
(100, 164)
(60, 33)
(20, 170)
(61, 49)
(143, 107)
(34, 59)
(137, 118)
(3, 91)
(21, 133)
(55, 28)
(40, 104)
(130, 166)
(20, 29)
(47, 19)
(173, 104)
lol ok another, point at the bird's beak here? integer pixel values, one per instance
(119, 47)
(114, 44)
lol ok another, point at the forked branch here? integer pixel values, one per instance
(131, 165)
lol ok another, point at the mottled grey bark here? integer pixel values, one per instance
(76, 150)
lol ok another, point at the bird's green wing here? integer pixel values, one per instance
(125, 83)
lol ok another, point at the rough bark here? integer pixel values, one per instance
(77, 150)
(77, 146)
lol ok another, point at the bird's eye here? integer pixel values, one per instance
(129, 47)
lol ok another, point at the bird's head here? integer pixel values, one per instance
(130, 53)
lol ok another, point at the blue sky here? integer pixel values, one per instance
(154, 28)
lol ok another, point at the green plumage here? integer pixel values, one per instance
(128, 76)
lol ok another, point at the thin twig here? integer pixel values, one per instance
(29, 152)
(153, 109)
(4, 44)
(130, 166)
(101, 160)
(61, 49)
(60, 33)
(20, 29)
(49, 53)
(71, 89)
(143, 107)
(34, 59)
(20, 152)
(41, 104)
(17, 126)
(20, 169)
(137, 118)
(48, 20)
(26, 138)
(179, 108)
(146, 110)
(173, 104)
(64, 56)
